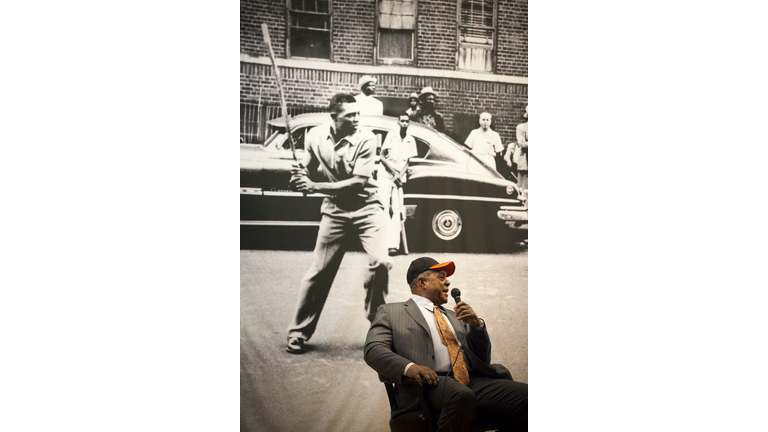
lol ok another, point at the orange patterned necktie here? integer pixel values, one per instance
(446, 335)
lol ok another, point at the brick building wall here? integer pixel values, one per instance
(437, 34)
(252, 14)
(354, 23)
(353, 31)
(303, 87)
(459, 98)
(512, 41)
(311, 84)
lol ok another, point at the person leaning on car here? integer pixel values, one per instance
(340, 160)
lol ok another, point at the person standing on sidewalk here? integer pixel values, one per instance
(413, 106)
(520, 156)
(427, 114)
(368, 104)
(398, 147)
(484, 142)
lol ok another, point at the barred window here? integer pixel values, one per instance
(477, 35)
(309, 28)
(396, 28)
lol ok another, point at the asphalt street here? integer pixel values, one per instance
(330, 388)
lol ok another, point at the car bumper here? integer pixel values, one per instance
(514, 217)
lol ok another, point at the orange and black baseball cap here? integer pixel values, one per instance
(420, 265)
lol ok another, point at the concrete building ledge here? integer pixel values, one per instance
(392, 70)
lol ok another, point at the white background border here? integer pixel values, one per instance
(120, 235)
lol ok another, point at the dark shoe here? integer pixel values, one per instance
(392, 251)
(295, 345)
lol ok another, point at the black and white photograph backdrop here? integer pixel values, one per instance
(451, 178)
(146, 286)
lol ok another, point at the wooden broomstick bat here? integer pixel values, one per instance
(399, 192)
(265, 31)
(402, 219)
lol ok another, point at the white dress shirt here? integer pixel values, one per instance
(485, 145)
(369, 105)
(442, 356)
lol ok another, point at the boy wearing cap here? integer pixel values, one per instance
(413, 105)
(419, 339)
(340, 161)
(368, 104)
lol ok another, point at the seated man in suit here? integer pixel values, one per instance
(421, 340)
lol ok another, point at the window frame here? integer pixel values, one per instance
(377, 60)
(288, 27)
(459, 43)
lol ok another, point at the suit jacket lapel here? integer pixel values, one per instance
(477, 365)
(413, 310)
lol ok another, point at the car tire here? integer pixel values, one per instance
(450, 226)
(440, 228)
(447, 224)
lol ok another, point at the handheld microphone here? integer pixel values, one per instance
(456, 294)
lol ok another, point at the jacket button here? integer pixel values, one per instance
(433, 357)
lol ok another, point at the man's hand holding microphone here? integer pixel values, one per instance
(464, 311)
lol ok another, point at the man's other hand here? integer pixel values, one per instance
(298, 170)
(303, 184)
(422, 375)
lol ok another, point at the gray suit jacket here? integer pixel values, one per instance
(399, 335)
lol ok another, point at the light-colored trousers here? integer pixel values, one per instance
(366, 223)
(392, 198)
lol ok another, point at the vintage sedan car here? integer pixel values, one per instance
(454, 202)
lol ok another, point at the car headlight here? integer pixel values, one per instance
(511, 190)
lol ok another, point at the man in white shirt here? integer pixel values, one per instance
(368, 104)
(484, 142)
(410, 345)
(398, 147)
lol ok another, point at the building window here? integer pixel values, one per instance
(309, 23)
(477, 35)
(396, 21)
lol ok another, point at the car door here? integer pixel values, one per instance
(267, 197)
